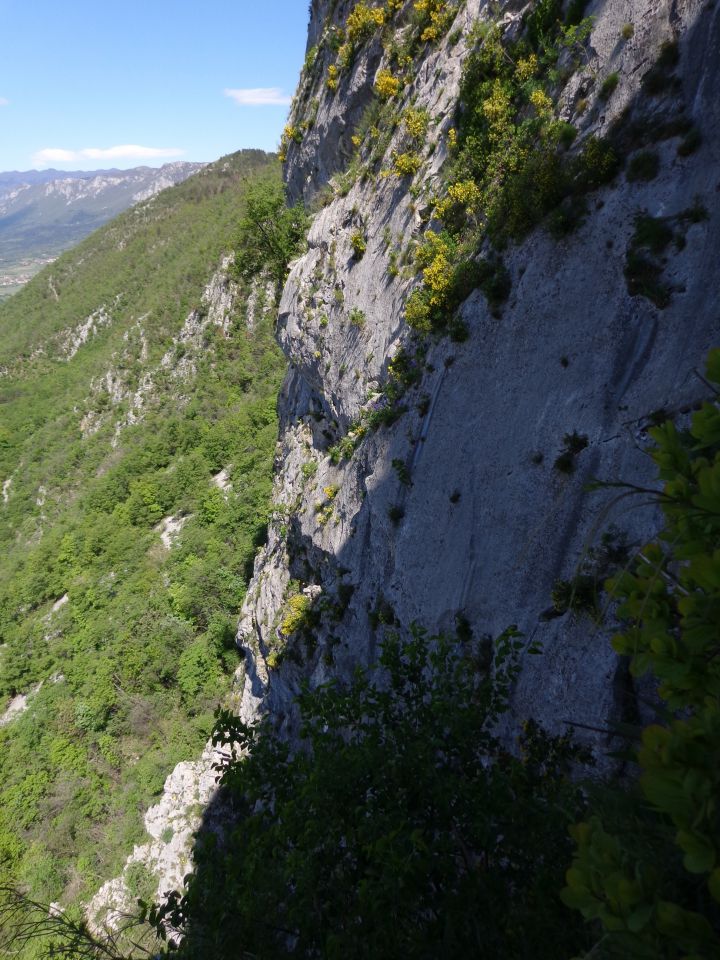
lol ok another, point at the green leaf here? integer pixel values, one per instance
(713, 365)
(639, 918)
(699, 852)
(714, 884)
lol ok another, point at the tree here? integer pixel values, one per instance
(653, 878)
(271, 233)
(401, 828)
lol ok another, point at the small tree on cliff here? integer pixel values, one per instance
(270, 233)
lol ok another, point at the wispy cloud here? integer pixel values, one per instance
(259, 97)
(126, 151)
(4, 101)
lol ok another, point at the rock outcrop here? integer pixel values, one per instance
(458, 511)
(468, 510)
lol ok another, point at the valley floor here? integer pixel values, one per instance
(14, 274)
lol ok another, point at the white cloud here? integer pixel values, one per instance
(130, 151)
(126, 151)
(52, 155)
(259, 97)
(4, 101)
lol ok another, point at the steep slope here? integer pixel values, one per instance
(437, 444)
(43, 213)
(505, 286)
(138, 386)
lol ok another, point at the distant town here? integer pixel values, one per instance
(15, 274)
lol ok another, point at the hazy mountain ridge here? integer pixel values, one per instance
(43, 213)
(14, 177)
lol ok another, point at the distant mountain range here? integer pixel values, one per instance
(44, 212)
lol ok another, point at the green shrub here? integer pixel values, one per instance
(403, 828)
(597, 165)
(643, 166)
(358, 243)
(402, 471)
(652, 878)
(609, 86)
(690, 142)
(573, 444)
(405, 164)
(270, 233)
(396, 513)
(644, 278)
(579, 594)
(296, 614)
(657, 80)
(652, 232)
(643, 269)
(141, 882)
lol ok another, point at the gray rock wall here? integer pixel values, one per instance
(488, 524)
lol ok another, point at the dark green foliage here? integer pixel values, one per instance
(270, 234)
(575, 12)
(527, 176)
(565, 134)
(578, 594)
(660, 77)
(648, 866)
(652, 232)
(690, 142)
(644, 278)
(643, 270)
(541, 23)
(567, 216)
(643, 166)
(669, 55)
(489, 275)
(696, 213)
(597, 165)
(463, 628)
(396, 513)
(609, 86)
(402, 828)
(573, 444)
(639, 127)
(403, 474)
(512, 169)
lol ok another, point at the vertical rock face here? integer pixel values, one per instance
(458, 511)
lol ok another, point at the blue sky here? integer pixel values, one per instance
(89, 85)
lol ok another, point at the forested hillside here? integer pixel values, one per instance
(138, 383)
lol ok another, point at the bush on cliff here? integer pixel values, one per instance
(652, 877)
(402, 828)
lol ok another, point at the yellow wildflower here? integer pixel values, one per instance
(386, 85)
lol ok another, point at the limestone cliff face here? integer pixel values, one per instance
(456, 509)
